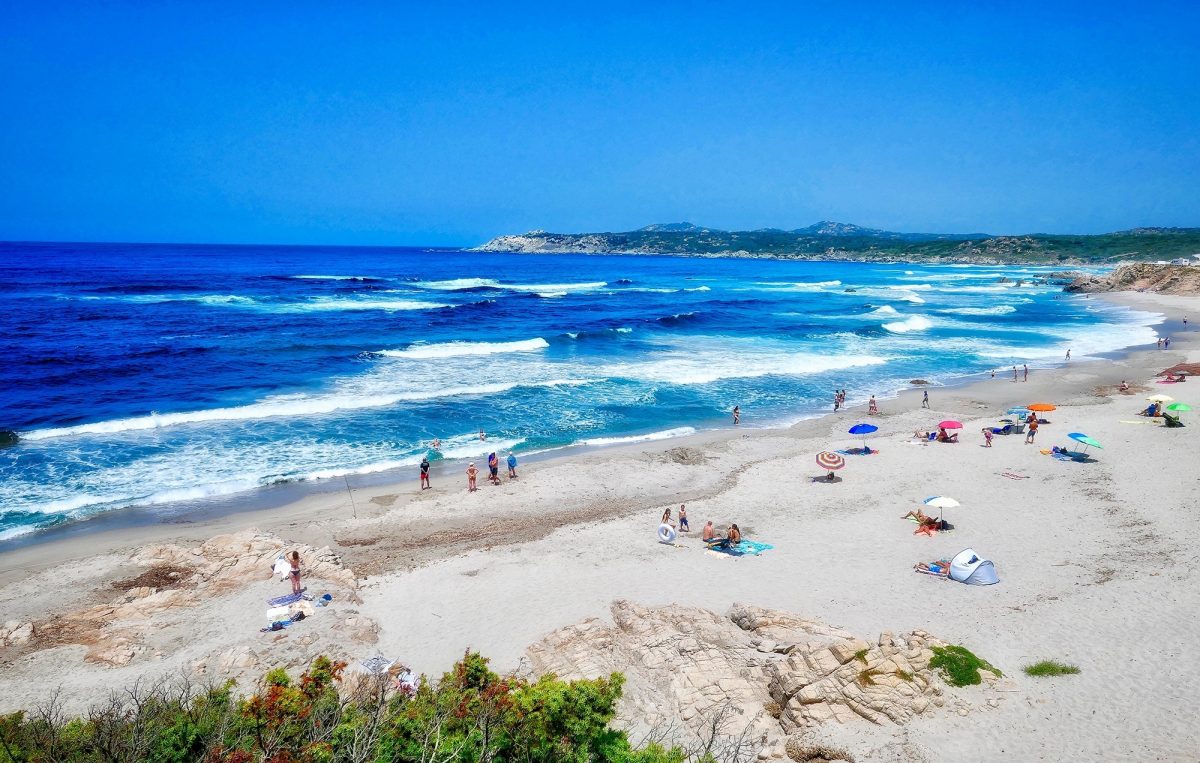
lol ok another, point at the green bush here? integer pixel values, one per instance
(959, 665)
(1050, 668)
(471, 714)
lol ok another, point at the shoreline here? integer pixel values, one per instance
(288, 504)
(1094, 562)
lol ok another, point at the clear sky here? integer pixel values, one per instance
(361, 123)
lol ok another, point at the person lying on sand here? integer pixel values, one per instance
(941, 568)
(921, 517)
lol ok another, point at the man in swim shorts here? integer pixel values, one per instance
(425, 473)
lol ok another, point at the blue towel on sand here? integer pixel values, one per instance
(745, 548)
(291, 598)
(858, 452)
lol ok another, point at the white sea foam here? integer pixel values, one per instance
(663, 435)
(286, 406)
(912, 323)
(458, 284)
(884, 310)
(706, 364)
(338, 278)
(456, 349)
(997, 310)
(326, 304)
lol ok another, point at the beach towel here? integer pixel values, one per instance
(858, 452)
(291, 598)
(745, 548)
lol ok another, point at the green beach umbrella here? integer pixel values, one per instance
(1080, 437)
(1179, 407)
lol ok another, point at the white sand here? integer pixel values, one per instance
(1097, 561)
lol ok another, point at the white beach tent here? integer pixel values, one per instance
(967, 567)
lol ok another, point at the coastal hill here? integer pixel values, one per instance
(843, 241)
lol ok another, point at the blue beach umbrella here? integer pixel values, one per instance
(1082, 438)
(864, 430)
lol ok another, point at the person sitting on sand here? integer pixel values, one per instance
(708, 534)
(944, 436)
(1124, 386)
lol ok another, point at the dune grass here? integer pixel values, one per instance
(1050, 668)
(959, 665)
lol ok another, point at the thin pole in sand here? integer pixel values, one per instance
(353, 508)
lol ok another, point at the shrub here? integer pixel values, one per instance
(1050, 668)
(959, 666)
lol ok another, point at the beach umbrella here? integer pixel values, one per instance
(830, 461)
(950, 424)
(864, 430)
(940, 502)
(1160, 398)
(1081, 437)
(1179, 407)
(1042, 407)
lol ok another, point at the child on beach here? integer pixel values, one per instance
(987, 437)
(1031, 432)
(666, 518)
(683, 523)
(472, 473)
(295, 572)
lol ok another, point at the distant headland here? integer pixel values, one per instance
(842, 241)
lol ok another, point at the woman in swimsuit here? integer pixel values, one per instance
(472, 473)
(295, 573)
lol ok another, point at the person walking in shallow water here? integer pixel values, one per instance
(737, 415)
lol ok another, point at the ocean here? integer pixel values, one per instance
(160, 375)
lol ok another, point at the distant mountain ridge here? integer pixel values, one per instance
(828, 240)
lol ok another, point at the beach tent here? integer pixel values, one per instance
(967, 567)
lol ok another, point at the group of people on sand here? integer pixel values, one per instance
(732, 537)
(839, 402)
(493, 461)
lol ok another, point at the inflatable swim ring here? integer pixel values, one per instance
(666, 533)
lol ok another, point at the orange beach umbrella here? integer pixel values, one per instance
(1041, 407)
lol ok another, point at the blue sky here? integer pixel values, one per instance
(381, 123)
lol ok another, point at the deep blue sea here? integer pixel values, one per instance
(152, 374)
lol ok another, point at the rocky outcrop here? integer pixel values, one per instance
(1164, 279)
(753, 673)
(115, 633)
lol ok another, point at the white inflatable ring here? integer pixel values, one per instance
(666, 533)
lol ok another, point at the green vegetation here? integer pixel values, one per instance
(833, 241)
(471, 714)
(904, 675)
(861, 656)
(959, 665)
(867, 677)
(1050, 668)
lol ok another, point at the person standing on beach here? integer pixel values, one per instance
(1032, 432)
(1068, 353)
(472, 473)
(294, 574)
(925, 398)
(425, 473)
(666, 517)
(837, 400)
(1160, 343)
(512, 466)
(1026, 372)
(683, 523)
(1014, 373)
(737, 415)
(494, 468)
(872, 406)
(987, 437)
(993, 373)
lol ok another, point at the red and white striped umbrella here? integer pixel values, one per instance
(830, 461)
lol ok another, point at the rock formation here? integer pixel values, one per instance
(1165, 279)
(755, 674)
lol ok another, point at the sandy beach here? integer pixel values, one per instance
(1096, 562)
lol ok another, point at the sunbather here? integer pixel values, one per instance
(944, 436)
(941, 568)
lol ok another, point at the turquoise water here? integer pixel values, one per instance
(143, 375)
